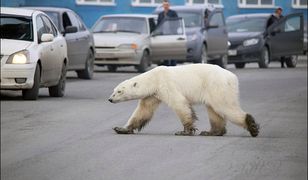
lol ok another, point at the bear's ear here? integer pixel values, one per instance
(135, 84)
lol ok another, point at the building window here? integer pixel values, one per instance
(302, 4)
(96, 2)
(192, 2)
(147, 2)
(256, 3)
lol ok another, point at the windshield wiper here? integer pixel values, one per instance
(102, 31)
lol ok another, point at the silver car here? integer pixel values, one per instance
(134, 40)
(80, 44)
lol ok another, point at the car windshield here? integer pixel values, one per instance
(191, 19)
(54, 16)
(246, 24)
(16, 27)
(121, 24)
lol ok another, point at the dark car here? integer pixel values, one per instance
(252, 41)
(80, 43)
(206, 31)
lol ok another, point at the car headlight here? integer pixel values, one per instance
(251, 42)
(128, 46)
(21, 57)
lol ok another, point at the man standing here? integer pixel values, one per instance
(274, 19)
(165, 14)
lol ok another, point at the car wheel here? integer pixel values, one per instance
(32, 94)
(223, 61)
(58, 90)
(291, 61)
(239, 65)
(87, 73)
(265, 58)
(144, 62)
(112, 68)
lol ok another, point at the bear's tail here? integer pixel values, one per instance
(252, 126)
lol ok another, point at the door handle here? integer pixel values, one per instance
(180, 39)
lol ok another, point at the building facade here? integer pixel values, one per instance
(91, 10)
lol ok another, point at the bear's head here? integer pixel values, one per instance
(128, 90)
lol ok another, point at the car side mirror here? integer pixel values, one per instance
(156, 33)
(70, 29)
(47, 37)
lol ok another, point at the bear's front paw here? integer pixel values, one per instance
(185, 133)
(121, 130)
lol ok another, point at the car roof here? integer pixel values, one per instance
(17, 11)
(131, 15)
(251, 15)
(53, 9)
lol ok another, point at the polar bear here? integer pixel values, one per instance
(181, 87)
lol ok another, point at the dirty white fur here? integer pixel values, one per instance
(181, 87)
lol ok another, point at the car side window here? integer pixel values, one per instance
(217, 19)
(74, 20)
(81, 25)
(40, 28)
(49, 26)
(292, 24)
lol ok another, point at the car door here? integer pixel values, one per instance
(82, 40)
(168, 40)
(46, 51)
(54, 47)
(216, 34)
(72, 43)
(286, 37)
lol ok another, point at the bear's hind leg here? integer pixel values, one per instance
(187, 116)
(141, 116)
(218, 124)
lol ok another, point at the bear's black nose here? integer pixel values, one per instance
(110, 100)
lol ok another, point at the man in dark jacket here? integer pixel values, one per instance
(274, 19)
(167, 13)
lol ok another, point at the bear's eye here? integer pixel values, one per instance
(119, 92)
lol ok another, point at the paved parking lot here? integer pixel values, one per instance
(71, 138)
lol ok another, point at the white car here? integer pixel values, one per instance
(134, 39)
(33, 53)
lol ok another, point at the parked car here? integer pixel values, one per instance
(33, 53)
(80, 43)
(206, 32)
(252, 41)
(133, 40)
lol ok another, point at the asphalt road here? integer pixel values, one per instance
(71, 138)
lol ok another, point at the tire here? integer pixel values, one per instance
(291, 61)
(87, 73)
(59, 89)
(223, 61)
(144, 62)
(265, 58)
(112, 68)
(32, 94)
(239, 65)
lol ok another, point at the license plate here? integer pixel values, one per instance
(232, 52)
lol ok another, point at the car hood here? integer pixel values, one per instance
(241, 36)
(115, 39)
(9, 46)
